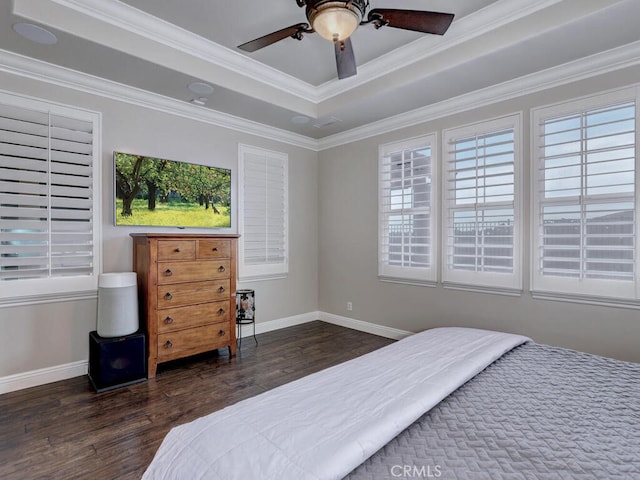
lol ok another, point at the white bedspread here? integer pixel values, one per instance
(326, 424)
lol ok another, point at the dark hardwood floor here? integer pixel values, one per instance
(65, 430)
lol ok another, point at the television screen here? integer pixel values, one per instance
(166, 193)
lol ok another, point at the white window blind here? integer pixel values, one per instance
(48, 237)
(406, 203)
(263, 213)
(585, 198)
(481, 199)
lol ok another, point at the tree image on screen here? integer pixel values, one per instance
(158, 192)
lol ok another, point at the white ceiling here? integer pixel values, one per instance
(162, 46)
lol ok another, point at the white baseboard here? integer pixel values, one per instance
(380, 330)
(35, 378)
(271, 325)
(43, 376)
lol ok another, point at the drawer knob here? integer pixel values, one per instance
(221, 311)
(168, 320)
(221, 333)
(168, 296)
(221, 289)
(221, 268)
(215, 249)
(177, 250)
(168, 272)
(168, 344)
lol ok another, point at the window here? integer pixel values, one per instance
(49, 199)
(263, 213)
(584, 190)
(406, 246)
(482, 213)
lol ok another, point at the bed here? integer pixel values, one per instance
(445, 403)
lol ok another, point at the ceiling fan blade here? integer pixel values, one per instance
(345, 59)
(292, 31)
(416, 20)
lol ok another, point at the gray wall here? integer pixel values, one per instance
(54, 334)
(348, 250)
(333, 240)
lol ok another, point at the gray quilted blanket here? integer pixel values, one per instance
(539, 412)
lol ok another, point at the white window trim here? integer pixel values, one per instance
(410, 275)
(581, 290)
(53, 289)
(490, 282)
(265, 271)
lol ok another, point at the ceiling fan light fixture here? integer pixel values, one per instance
(336, 21)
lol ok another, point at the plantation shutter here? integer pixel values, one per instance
(586, 222)
(481, 243)
(46, 195)
(264, 213)
(406, 210)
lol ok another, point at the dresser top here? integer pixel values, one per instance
(183, 235)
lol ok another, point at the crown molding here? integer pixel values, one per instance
(598, 64)
(121, 16)
(463, 30)
(592, 66)
(132, 20)
(135, 21)
(63, 77)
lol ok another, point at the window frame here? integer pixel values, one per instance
(502, 283)
(266, 270)
(58, 288)
(581, 289)
(407, 274)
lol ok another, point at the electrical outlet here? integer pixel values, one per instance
(349, 306)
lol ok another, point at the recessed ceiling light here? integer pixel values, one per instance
(300, 119)
(35, 33)
(201, 88)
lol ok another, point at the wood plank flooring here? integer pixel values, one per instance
(65, 430)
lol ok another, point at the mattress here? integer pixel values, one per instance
(538, 412)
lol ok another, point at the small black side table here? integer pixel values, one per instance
(245, 312)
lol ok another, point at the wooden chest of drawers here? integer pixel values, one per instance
(186, 285)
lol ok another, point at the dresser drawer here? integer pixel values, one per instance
(193, 340)
(176, 250)
(213, 248)
(192, 293)
(176, 272)
(171, 319)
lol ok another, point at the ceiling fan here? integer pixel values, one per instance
(337, 20)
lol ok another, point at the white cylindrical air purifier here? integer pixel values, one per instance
(117, 304)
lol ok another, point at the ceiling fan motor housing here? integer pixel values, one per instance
(318, 8)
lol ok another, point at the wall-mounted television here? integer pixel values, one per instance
(157, 192)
